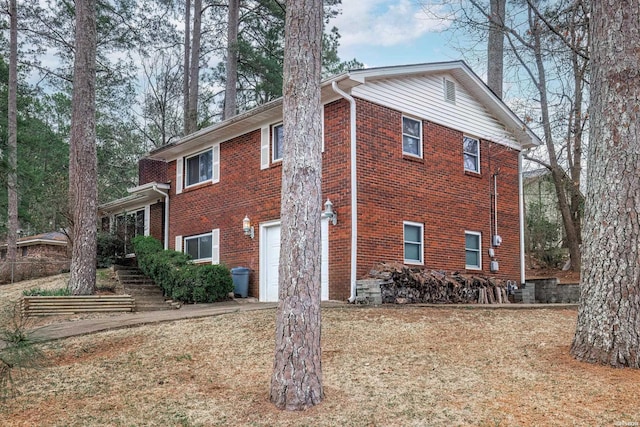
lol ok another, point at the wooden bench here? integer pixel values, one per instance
(52, 306)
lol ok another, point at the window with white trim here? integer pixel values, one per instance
(411, 136)
(199, 168)
(472, 249)
(277, 139)
(413, 244)
(471, 154)
(199, 247)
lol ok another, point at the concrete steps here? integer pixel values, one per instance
(148, 296)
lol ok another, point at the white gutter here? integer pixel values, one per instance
(521, 203)
(354, 188)
(166, 215)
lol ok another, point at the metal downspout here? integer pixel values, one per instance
(354, 188)
(521, 203)
(166, 215)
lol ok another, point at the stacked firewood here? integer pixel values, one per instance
(400, 284)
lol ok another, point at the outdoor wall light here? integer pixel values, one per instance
(329, 213)
(247, 227)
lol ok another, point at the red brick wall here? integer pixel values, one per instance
(150, 170)
(156, 221)
(434, 191)
(245, 189)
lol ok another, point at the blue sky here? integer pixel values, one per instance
(392, 32)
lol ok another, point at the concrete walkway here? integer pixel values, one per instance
(66, 329)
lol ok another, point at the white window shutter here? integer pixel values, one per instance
(179, 168)
(264, 147)
(215, 250)
(178, 246)
(215, 164)
(322, 126)
(147, 219)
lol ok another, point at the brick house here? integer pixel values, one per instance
(37, 256)
(421, 164)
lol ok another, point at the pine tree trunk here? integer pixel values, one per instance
(187, 61)
(495, 46)
(83, 192)
(194, 71)
(230, 92)
(296, 382)
(608, 327)
(12, 149)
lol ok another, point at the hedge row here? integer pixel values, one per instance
(180, 279)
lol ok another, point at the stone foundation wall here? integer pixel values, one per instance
(548, 291)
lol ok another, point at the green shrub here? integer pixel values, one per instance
(179, 278)
(110, 248)
(202, 283)
(145, 246)
(37, 292)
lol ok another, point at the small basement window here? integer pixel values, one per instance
(473, 244)
(413, 245)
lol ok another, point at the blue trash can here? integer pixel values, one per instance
(240, 276)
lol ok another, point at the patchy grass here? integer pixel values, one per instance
(106, 283)
(406, 366)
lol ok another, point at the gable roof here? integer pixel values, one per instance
(272, 111)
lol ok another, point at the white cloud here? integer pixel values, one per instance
(384, 22)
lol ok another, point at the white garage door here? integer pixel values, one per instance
(270, 258)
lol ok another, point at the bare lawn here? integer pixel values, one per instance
(389, 366)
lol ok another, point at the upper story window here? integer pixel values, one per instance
(199, 168)
(449, 90)
(413, 245)
(472, 245)
(411, 136)
(199, 247)
(471, 153)
(277, 142)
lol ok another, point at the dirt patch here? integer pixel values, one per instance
(382, 367)
(562, 276)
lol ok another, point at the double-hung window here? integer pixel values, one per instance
(471, 154)
(413, 244)
(199, 168)
(411, 137)
(472, 246)
(199, 247)
(277, 142)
